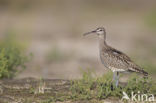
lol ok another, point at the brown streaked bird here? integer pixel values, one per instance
(114, 59)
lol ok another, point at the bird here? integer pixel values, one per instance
(113, 59)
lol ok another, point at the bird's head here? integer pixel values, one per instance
(99, 31)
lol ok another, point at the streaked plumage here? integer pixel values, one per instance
(114, 59)
(118, 61)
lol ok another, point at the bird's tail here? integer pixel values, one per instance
(141, 71)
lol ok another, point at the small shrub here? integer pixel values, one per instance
(11, 58)
(3, 65)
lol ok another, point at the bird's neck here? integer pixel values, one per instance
(102, 42)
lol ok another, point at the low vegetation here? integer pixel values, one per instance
(103, 87)
(89, 89)
(96, 89)
(12, 58)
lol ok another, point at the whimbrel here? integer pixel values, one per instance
(114, 59)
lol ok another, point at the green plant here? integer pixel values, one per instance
(12, 58)
(144, 85)
(102, 87)
(95, 89)
(83, 89)
(3, 65)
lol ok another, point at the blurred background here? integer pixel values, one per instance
(50, 31)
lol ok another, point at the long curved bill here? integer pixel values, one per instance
(89, 33)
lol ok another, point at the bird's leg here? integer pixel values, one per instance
(117, 79)
(113, 80)
(114, 76)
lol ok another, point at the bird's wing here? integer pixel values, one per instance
(121, 57)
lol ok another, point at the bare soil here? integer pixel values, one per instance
(30, 90)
